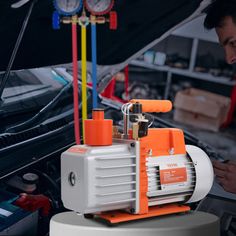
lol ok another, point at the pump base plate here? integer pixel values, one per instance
(115, 217)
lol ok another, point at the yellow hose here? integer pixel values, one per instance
(84, 75)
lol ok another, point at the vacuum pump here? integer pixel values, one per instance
(140, 173)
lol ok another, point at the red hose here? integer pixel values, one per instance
(75, 83)
(127, 83)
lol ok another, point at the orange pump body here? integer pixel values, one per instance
(161, 142)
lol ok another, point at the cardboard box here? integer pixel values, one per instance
(201, 109)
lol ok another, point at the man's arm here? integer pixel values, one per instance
(226, 175)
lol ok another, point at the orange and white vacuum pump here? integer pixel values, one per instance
(140, 173)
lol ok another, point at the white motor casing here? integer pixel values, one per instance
(204, 173)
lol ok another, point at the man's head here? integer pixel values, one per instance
(221, 15)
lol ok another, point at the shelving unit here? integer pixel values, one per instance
(185, 72)
(196, 32)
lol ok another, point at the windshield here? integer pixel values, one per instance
(27, 91)
(26, 80)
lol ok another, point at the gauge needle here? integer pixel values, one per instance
(98, 4)
(96, 1)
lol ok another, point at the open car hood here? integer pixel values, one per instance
(141, 24)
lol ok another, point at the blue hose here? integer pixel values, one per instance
(94, 64)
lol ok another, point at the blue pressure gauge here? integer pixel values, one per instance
(68, 7)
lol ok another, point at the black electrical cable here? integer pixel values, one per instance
(16, 48)
(55, 197)
(41, 114)
(49, 179)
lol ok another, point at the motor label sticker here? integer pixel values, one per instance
(175, 175)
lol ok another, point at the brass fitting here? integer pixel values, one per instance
(66, 20)
(74, 19)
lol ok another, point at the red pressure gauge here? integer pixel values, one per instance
(99, 7)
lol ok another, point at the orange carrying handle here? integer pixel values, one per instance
(154, 105)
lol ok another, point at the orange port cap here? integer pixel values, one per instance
(98, 114)
(98, 131)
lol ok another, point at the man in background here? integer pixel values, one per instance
(221, 15)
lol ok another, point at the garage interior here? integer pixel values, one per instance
(82, 92)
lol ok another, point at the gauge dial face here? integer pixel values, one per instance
(99, 7)
(68, 7)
